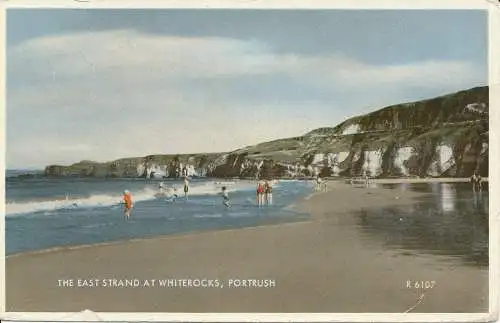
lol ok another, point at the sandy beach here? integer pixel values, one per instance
(320, 265)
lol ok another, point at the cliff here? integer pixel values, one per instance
(443, 136)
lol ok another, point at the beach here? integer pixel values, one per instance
(322, 264)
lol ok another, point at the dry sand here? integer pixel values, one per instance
(322, 265)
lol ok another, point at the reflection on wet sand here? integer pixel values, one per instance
(452, 220)
(448, 197)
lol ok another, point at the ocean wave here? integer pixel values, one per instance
(96, 200)
(111, 200)
(97, 225)
(207, 216)
(240, 215)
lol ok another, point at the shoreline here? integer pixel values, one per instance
(179, 235)
(323, 265)
(298, 205)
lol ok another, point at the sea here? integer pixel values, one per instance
(43, 213)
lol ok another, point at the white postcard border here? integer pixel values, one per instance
(493, 8)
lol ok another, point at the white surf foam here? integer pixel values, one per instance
(113, 200)
(97, 200)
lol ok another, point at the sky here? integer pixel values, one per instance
(103, 84)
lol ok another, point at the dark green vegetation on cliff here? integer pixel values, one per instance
(443, 136)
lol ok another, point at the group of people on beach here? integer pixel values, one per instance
(320, 184)
(264, 192)
(163, 190)
(171, 192)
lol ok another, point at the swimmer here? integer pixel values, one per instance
(175, 195)
(225, 197)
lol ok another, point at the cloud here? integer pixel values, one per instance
(142, 56)
(120, 93)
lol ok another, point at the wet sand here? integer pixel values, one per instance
(321, 265)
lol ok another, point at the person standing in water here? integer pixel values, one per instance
(268, 190)
(318, 183)
(225, 197)
(476, 181)
(127, 201)
(186, 187)
(324, 185)
(161, 188)
(260, 193)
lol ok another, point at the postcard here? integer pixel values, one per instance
(250, 161)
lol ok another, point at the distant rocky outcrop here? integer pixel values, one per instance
(443, 136)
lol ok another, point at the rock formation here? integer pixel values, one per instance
(443, 136)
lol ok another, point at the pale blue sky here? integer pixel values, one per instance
(104, 84)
